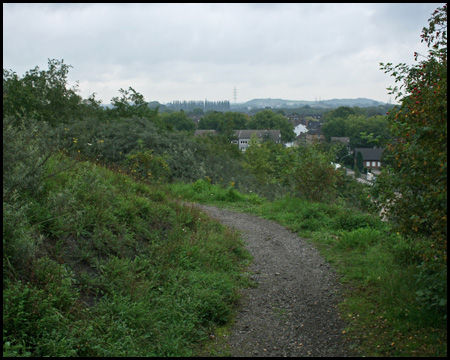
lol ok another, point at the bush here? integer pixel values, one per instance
(33, 317)
(25, 153)
(147, 167)
(20, 238)
(349, 220)
(360, 239)
(433, 288)
(413, 187)
(312, 175)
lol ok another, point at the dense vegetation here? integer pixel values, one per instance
(413, 189)
(100, 258)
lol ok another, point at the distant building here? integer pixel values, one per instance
(314, 125)
(300, 128)
(244, 136)
(371, 157)
(310, 137)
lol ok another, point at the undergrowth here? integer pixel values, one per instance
(95, 264)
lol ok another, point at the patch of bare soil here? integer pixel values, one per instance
(293, 310)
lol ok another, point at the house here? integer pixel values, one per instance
(371, 157)
(314, 125)
(310, 137)
(244, 136)
(300, 128)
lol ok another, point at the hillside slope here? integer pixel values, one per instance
(95, 264)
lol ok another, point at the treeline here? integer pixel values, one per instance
(264, 119)
(358, 125)
(204, 105)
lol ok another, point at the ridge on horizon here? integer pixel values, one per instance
(280, 103)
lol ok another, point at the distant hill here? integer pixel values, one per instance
(281, 103)
(277, 104)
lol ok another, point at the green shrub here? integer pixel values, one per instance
(312, 176)
(147, 167)
(351, 220)
(20, 238)
(433, 288)
(33, 319)
(25, 153)
(404, 250)
(202, 186)
(360, 239)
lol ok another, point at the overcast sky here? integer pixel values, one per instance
(201, 51)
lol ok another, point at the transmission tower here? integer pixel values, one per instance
(234, 94)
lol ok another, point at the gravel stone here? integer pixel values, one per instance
(293, 310)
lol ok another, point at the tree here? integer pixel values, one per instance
(413, 187)
(311, 173)
(341, 112)
(211, 121)
(257, 159)
(267, 119)
(353, 125)
(359, 161)
(43, 95)
(178, 120)
(131, 103)
(265, 159)
(335, 128)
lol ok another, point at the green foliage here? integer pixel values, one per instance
(98, 265)
(23, 155)
(211, 121)
(360, 238)
(42, 95)
(359, 161)
(26, 154)
(147, 167)
(342, 112)
(223, 122)
(413, 188)
(204, 191)
(130, 104)
(188, 158)
(432, 289)
(267, 119)
(262, 159)
(353, 126)
(33, 318)
(312, 174)
(179, 121)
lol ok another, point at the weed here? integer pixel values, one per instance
(96, 266)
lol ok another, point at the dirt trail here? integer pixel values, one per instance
(293, 310)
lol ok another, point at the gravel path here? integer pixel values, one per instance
(293, 310)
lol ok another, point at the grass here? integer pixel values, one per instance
(203, 191)
(96, 264)
(378, 269)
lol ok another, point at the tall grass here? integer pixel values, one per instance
(96, 264)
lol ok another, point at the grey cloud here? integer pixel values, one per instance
(181, 51)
